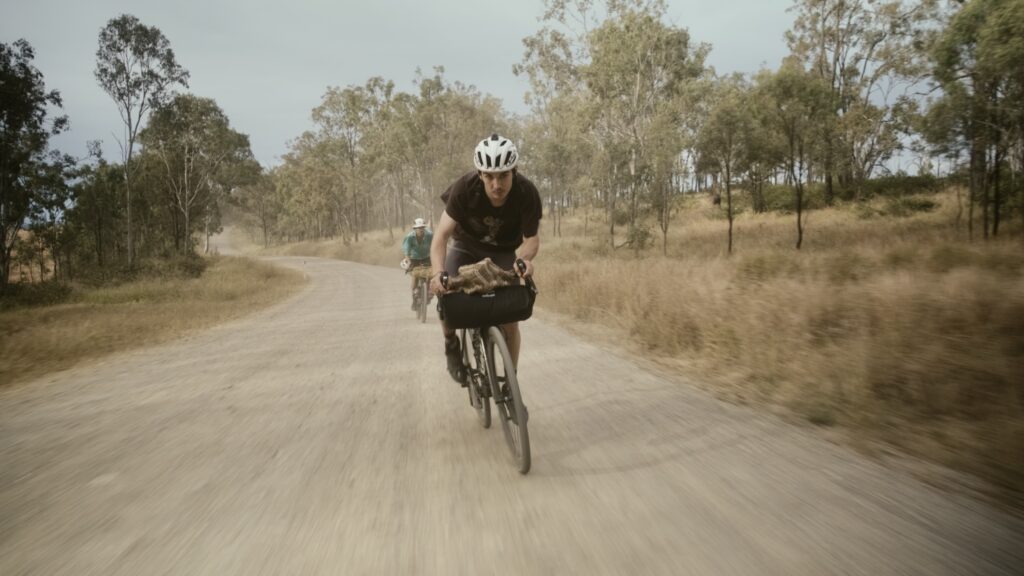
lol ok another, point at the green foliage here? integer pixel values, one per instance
(23, 295)
(201, 158)
(895, 207)
(24, 136)
(136, 67)
(901, 185)
(782, 198)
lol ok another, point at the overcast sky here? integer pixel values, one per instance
(267, 64)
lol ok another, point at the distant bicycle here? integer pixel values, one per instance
(421, 291)
(490, 372)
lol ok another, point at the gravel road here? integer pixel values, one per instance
(323, 436)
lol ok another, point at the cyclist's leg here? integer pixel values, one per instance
(511, 331)
(455, 257)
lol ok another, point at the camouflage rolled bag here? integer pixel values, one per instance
(420, 272)
(485, 295)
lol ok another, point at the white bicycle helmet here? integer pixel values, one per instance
(418, 223)
(495, 154)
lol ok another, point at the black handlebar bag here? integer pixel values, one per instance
(502, 306)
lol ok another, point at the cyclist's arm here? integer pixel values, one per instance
(528, 251)
(438, 248)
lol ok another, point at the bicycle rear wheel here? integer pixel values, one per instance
(476, 379)
(507, 400)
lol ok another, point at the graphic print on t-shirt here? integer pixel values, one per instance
(493, 225)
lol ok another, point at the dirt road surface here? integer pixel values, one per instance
(323, 436)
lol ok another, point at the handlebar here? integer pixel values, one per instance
(521, 265)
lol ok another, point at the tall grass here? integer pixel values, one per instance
(93, 322)
(888, 322)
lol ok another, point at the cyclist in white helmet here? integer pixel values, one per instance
(489, 212)
(416, 249)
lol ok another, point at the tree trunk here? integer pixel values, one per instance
(612, 193)
(985, 183)
(995, 186)
(972, 185)
(187, 233)
(128, 211)
(633, 202)
(728, 201)
(798, 180)
(5, 268)
(99, 241)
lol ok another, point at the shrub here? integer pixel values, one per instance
(899, 185)
(782, 197)
(177, 266)
(20, 295)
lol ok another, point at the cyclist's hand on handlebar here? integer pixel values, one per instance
(435, 285)
(524, 268)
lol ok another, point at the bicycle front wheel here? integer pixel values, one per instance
(508, 401)
(424, 287)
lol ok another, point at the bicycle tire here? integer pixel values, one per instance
(480, 402)
(508, 401)
(421, 292)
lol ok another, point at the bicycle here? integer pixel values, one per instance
(421, 291)
(493, 375)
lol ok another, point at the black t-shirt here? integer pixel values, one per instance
(499, 228)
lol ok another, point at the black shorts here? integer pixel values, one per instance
(413, 263)
(460, 254)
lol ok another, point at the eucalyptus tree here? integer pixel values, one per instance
(864, 51)
(25, 129)
(136, 67)
(260, 199)
(97, 210)
(764, 146)
(724, 135)
(54, 198)
(638, 66)
(559, 153)
(201, 157)
(630, 66)
(799, 100)
(978, 62)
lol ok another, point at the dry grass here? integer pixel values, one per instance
(95, 323)
(891, 328)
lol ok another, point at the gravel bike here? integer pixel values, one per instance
(490, 372)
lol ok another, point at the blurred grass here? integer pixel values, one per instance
(88, 323)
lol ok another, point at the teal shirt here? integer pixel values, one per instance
(417, 250)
